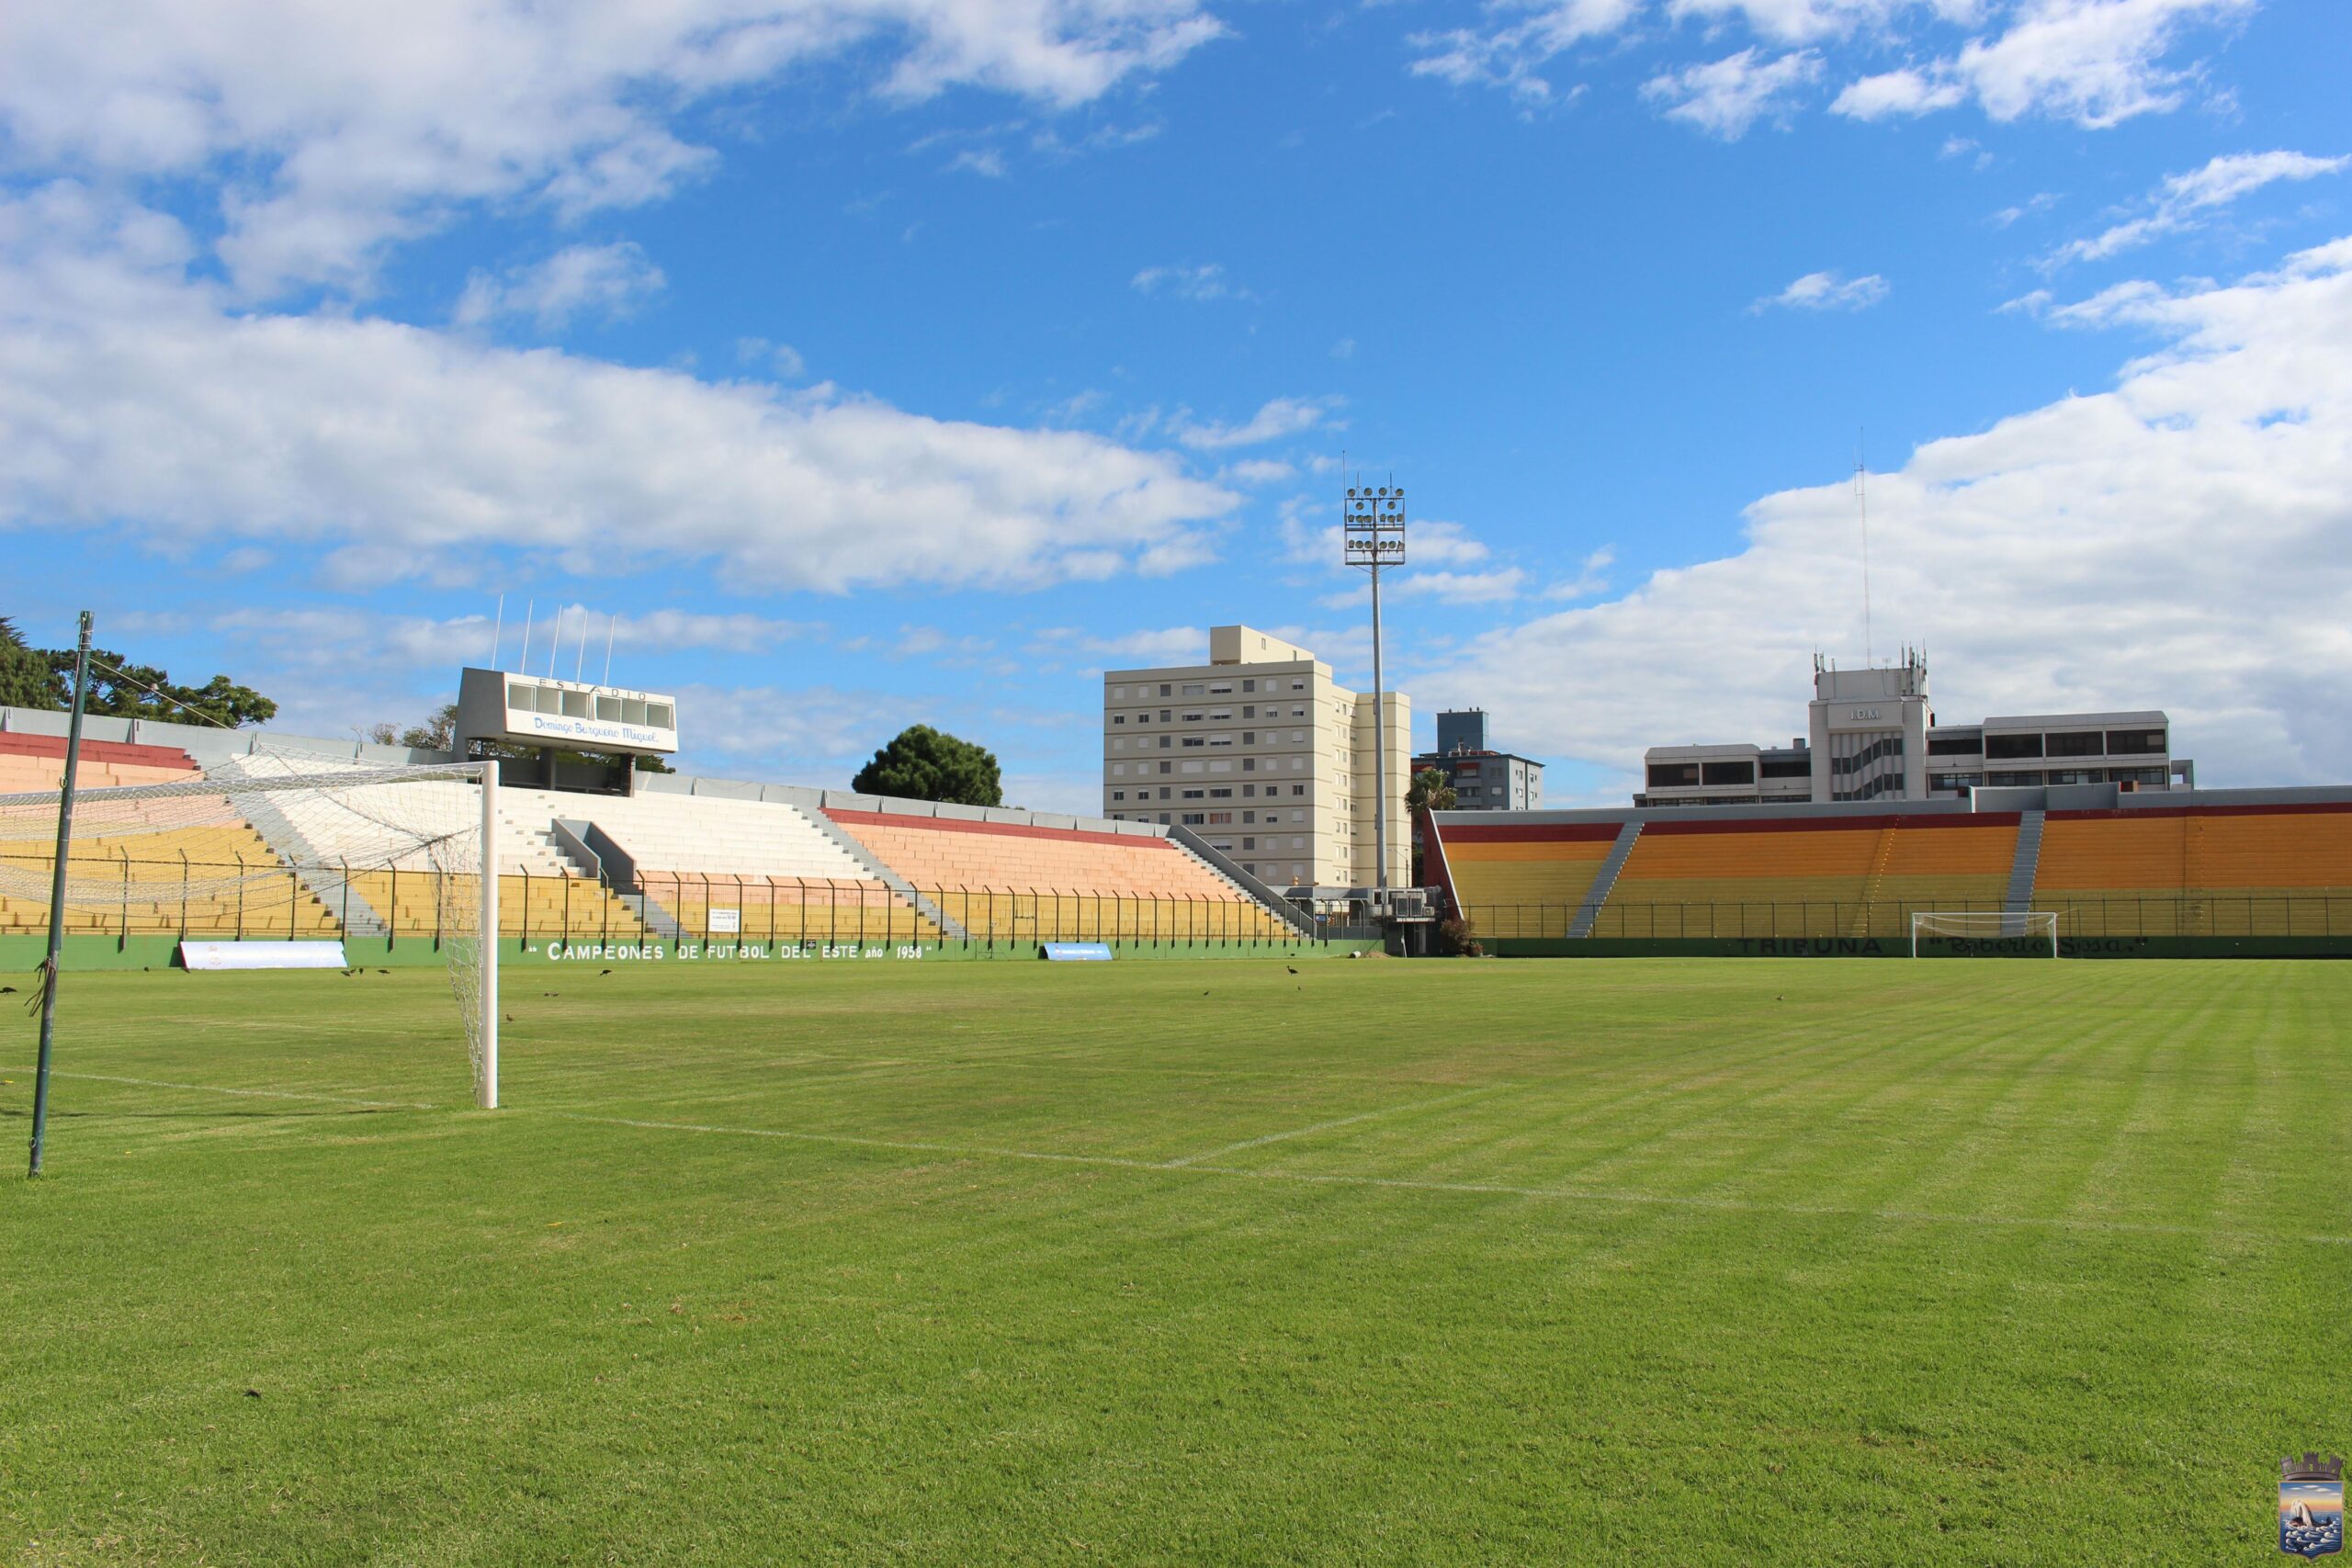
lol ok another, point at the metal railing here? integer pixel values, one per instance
(2186, 914)
(243, 899)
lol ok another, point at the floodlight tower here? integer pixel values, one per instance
(1372, 534)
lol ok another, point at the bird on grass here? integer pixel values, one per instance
(383, 971)
(604, 972)
(1287, 966)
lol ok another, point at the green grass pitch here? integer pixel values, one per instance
(1582, 1262)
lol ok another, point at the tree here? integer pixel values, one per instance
(438, 733)
(25, 679)
(121, 689)
(1430, 791)
(923, 764)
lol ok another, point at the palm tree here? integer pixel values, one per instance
(1430, 791)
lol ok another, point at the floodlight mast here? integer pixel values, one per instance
(49, 964)
(1372, 534)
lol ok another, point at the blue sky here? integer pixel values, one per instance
(876, 361)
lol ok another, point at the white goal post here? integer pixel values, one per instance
(1985, 925)
(283, 846)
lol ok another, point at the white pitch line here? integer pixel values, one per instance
(1330, 1126)
(251, 1093)
(1472, 1189)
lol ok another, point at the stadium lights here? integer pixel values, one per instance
(1372, 534)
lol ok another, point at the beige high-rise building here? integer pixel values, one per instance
(1263, 755)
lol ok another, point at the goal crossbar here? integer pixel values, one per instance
(1987, 925)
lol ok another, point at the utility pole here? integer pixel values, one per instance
(1372, 536)
(57, 891)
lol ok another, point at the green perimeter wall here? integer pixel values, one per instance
(19, 954)
(1897, 947)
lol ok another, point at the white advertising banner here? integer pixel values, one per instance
(262, 956)
(729, 921)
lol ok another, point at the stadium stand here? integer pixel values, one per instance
(2281, 870)
(784, 875)
(1526, 880)
(2275, 862)
(1747, 878)
(1024, 882)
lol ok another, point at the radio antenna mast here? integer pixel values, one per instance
(1862, 508)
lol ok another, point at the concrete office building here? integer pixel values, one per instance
(1482, 778)
(1263, 755)
(1873, 736)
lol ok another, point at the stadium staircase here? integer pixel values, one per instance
(1875, 883)
(1604, 879)
(2020, 899)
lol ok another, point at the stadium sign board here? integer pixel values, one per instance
(262, 956)
(1077, 953)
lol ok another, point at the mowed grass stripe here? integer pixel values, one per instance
(1954, 1262)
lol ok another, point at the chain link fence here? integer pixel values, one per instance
(2187, 914)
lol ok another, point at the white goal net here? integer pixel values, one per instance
(1967, 932)
(279, 847)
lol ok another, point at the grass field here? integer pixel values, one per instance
(1674, 1261)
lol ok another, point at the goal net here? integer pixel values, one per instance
(1984, 931)
(280, 846)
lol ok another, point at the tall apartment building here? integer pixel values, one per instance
(1482, 778)
(1873, 736)
(1261, 753)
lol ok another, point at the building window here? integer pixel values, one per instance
(1248, 737)
(1190, 741)
(1249, 764)
(2006, 781)
(1164, 740)
(2006, 747)
(2075, 745)
(1163, 691)
(1787, 767)
(1248, 685)
(1163, 712)
(1194, 716)
(2135, 743)
(1191, 795)
(1673, 775)
(1249, 844)
(1967, 745)
(1193, 690)
(1166, 767)
(1118, 794)
(1298, 789)
(1247, 817)
(1118, 719)
(1195, 819)
(1721, 773)
(1220, 817)
(1225, 738)
(1118, 693)
(1220, 689)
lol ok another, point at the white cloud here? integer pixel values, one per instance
(1259, 471)
(1896, 92)
(2182, 202)
(133, 398)
(1726, 97)
(1206, 282)
(2096, 62)
(1279, 417)
(607, 280)
(1133, 650)
(1447, 587)
(1591, 577)
(351, 126)
(1512, 56)
(781, 359)
(1805, 21)
(1827, 291)
(985, 161)
(2183, 541)
(1344, 349)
